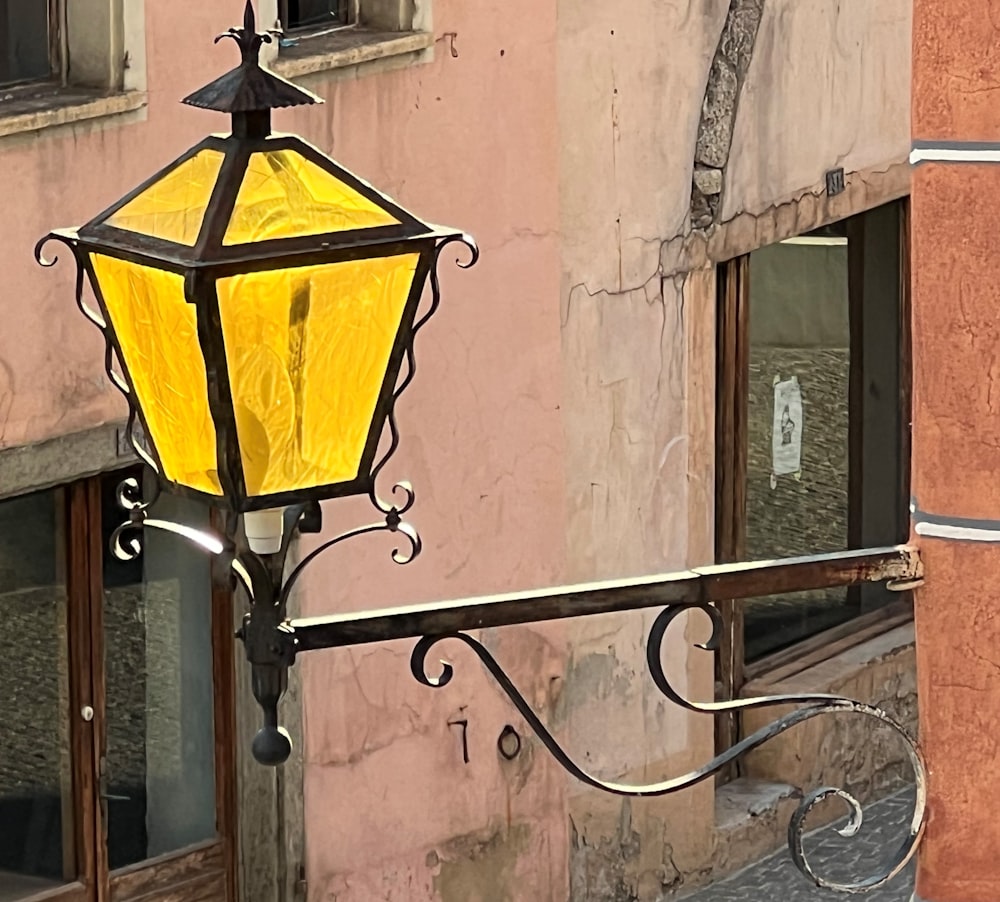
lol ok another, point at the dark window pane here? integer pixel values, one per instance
(160, 698)
(313, 13)
(36, 818)
(777, 621)
(24, 40)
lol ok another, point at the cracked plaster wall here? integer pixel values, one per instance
(828, 86)
(636, 414)
(737, 92)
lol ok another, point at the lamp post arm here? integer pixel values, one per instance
(713, 584)
(272, 642)
(694, 590)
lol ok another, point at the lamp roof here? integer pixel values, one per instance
(230, 199)
(249, 87)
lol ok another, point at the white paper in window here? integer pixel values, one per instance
(786, 432)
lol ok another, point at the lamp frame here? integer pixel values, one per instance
(200, 290)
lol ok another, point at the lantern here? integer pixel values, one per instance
(259, 301)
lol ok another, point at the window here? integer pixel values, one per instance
(296, 15)
(24, 39)
(812, 426)
(68, 60)
(325, 35)
(112, 781)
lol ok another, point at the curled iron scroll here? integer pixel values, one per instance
(810, 706)
(126, 542)
(403, 489)
(391, 524)
(112, 366)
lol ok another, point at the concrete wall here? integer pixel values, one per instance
(562, 425)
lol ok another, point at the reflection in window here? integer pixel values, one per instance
(823, 458)
(158, 647)
(36, 816)
(297, 14)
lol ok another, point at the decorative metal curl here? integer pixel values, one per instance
(110, 358)
(126, 539)
(126, 543)
(391, 524)
(811, 706)
(387, 507)
(247, 38)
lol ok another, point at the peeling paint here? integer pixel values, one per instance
(481, 868)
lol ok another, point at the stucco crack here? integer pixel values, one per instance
(523, 233)
(803, 210)
(988, 662)
(806, 209)
(604, 294)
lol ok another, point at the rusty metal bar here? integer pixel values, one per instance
(896, 565)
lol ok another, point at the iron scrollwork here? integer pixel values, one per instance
(112, 367)
(810, 705)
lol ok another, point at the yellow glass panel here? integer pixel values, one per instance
(284, 195)
(174, 207)
(158, 336)
(308, 349)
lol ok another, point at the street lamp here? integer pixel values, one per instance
(260, 304)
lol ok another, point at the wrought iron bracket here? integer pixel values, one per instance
(272, 643)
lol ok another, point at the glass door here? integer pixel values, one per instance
(38, 850)
(158, 774)
(117, 770)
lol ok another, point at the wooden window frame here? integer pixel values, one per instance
(206, 870)
(733, 356)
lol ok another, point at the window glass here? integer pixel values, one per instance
(313, 13)
(36, 817)
(823, 421)
(24, 40)
(160, 774)
(798, 423)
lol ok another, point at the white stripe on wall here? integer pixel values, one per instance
(954, 155)
(962, 533)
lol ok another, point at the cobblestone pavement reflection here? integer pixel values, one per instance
(844, 859)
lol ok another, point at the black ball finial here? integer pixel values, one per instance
(272, 746)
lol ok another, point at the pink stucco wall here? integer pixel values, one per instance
(560, 428)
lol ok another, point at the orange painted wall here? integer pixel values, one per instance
(956, 444)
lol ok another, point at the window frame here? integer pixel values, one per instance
(732, 377)
(195, 869)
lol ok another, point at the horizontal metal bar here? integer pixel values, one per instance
(723, 582)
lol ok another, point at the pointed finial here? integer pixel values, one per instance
(247, 38)
(250, 88)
